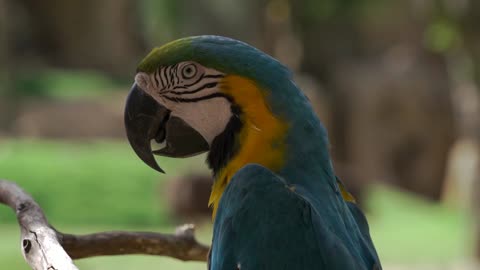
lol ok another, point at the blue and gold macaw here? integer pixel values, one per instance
(276, 201)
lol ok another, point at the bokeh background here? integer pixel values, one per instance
(395, 82)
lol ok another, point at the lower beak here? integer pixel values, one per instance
(146, 119)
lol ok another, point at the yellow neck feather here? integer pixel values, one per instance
(261, 138)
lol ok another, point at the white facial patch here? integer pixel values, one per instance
(209, 117)
(192, 93)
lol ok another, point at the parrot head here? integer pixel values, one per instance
(178, 106)
(217, 95)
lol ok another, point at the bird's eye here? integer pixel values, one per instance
(189, 71)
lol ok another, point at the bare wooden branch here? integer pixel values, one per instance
(45, 248)
(182, 245)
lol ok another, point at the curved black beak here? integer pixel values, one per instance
(146, 119)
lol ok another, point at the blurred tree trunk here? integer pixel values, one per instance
(471, 39)
(103, 35)
(5, 87)
(470, 24)
(3, 47)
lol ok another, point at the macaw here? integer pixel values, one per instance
(276, 201)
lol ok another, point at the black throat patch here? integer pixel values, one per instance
(225, 145)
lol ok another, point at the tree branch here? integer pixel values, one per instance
(45, 248)
(182, 245)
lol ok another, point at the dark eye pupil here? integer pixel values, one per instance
(189, 71)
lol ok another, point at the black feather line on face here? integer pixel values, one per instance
(188, 85)
(171, 76)
(225, 146)
(205, 86)
(163, 78)
(186, 100)
(155, 76)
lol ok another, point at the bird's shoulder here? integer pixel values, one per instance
(263, 223)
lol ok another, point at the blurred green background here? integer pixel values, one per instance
(395, 82)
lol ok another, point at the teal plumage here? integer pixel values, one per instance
(263, 223)
(296, 217)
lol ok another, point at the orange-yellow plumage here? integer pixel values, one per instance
(262, 137)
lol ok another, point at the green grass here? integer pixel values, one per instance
(88, 182)
(93, 186)
(406, 228)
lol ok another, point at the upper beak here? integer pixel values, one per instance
(146, 119)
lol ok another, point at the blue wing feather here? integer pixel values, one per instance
(263, 223)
